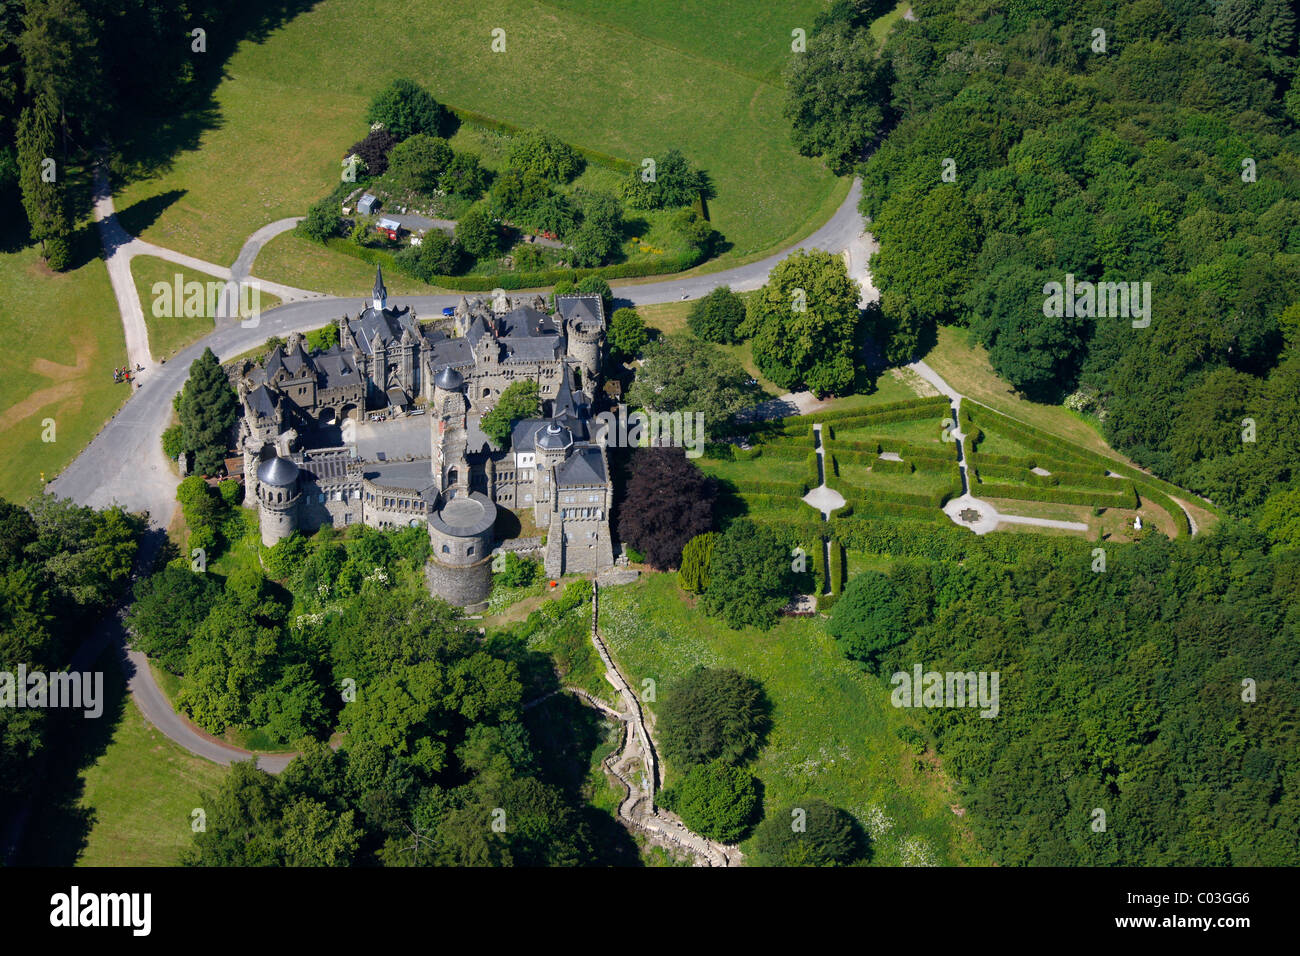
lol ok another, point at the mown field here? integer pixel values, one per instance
(834, 733)
(65, 339)
(294, 102)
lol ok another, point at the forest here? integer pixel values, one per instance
(1010, 144)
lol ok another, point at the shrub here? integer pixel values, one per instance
(517, 572)
(322, 221)
(715, 800)
(418, 162)
(696, 558)
(374, 150)
(405, 108)
(173, 442)
(810, 833)
(545, 155)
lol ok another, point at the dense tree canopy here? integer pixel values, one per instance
(715, 800)
(681, 375)
(750, 577)
(718, 316)
(713, 714)
(1022, 153)
(666, 502)
(804, 324)
(868, 617)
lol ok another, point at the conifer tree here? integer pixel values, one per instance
(41, 184)
(208, 409)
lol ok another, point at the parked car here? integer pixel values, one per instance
(449, 311)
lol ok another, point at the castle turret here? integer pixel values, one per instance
(584, 318)
(380, 298)
(461, 535)
(277, 499)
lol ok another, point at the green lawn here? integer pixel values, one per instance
(65, 339)
(169, 330)
(143, 790)
(293, 103)
(880, 29)
(116, 791)
(834, 731)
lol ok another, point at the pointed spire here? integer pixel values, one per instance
(381, 294)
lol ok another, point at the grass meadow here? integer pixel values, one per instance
(65, 339)
(834, 733)
(629, 80)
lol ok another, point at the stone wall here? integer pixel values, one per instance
(466, 587)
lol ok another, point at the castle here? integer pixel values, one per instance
(453, 480)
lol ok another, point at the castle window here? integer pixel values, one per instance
(446, 550)
(469, 550)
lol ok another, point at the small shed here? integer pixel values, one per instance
(389, 227)
(368, 204)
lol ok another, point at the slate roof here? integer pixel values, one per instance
(543, 348)
(385, 327)
(451, 352)
(583, 467)
(336, 368)
(291, 360)
(589, 308)
(553, 436)
(279, 472)
(526, 322)
(449, 379)
(262, 402)
(407, 475)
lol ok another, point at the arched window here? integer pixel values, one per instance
(446, 550)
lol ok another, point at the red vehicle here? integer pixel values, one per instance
(547, 234)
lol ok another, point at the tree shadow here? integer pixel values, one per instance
(139, 216)
(59, 829)
(147, 141)
(566, 735)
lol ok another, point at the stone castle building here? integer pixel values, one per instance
(555, 469)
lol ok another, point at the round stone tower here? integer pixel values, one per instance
(277, 499)
(586, 338)
(461, 533)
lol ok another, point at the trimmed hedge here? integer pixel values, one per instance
(747, 487)
(1169, 506)
(887, 466)
(814, 472)
(944, 541)
(786, 451)
(1037, 439)
(904, 410)
(1057, 496)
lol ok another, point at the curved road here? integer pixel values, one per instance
(124, 464)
